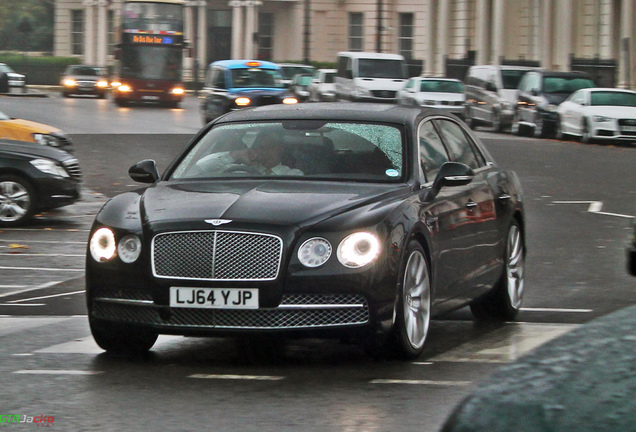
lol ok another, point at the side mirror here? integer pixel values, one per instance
(144, 171)
(491, 87)
(449, 175)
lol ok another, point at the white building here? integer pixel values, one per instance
(549, 32)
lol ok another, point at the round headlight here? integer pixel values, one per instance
(102, 245)
(129, 248)
(314, 252)
(358, 249)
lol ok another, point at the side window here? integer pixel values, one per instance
(209, 78)
(409, 84)
(460, 144)
(523, 85)
(433, 153)
(219, 79)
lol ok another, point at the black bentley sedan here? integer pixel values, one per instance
(35, 178)
(358, 221)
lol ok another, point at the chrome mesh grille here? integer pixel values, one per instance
(72, 167)
(355, 313)
(217, 255)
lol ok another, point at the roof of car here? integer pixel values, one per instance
(241, 64)
(371, 55)
(345, 111)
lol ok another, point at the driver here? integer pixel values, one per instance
(265, 157)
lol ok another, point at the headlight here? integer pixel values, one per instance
(102, 245)
(601, 119)
(50, 167)
(46, 139)
(314, 252)
(70, 83)
(124, 88)
(178, 91)
(290, 101)
(129, 248)
(242, 101)
(358, 249)
(102, 84)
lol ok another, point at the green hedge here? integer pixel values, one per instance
(39, 70)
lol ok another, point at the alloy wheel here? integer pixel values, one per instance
(416, 300)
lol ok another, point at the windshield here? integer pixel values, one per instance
(256, 78)
(151, 62)
(610, 98)
(152, 16)
(330, 77)
(308, 149)
(84, 70)
(442, 86)
(6, 69)
(558, 84)
(381, 68)
(511, 78)
(290, 71)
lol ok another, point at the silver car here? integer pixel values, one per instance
(446, 94)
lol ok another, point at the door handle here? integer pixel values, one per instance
(471, 204)
(504, 197)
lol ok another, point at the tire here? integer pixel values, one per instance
(122, 339)
(559, 130)
(413, 314)
(586, 135)
(17, 200)
(503, 301)
(539, 127)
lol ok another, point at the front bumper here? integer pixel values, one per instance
(57, 192)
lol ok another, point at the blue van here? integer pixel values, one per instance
(235, 84)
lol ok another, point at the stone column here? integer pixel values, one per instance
(482, 33)
(498, 31)
(546, 35)
(202, 30)
(563, 35)
(237, 25)
(102, 34)
(429, 56)
(443, 20)
(250, 29)
(89, 31)
(626, 45)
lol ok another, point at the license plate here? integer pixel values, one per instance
(214, 298)
(150, 98)
(628, 128)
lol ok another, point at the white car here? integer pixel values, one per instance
(598, 114)
(323, 86)
(446, 94)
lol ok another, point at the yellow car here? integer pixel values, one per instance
(26, 130)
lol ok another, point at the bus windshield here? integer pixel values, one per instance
(152, 17)
(151, 62)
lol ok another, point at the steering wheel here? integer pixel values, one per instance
(241, 168)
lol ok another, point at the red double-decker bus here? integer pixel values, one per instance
(150, 53)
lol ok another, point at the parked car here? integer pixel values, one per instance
(491, 95)
(236, 84)
(604, 114)
(370, 76)
(299, 87)
(357, 221)
(35, 178)
(290, 70)
(84, 80)
(10, 78)
(30, 131)
(445, 94)
(323, 87)
(540, 93)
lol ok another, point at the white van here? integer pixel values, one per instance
(370, 77)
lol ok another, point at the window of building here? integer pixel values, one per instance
(77, 32)
(355, 31)
(405, 35)
(265, 35)
(111, 31)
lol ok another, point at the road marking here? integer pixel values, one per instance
(421, 382)
(20, 255)
(41, 269)
(30, 304)
(12, 286)
(45, 297)
(56, 372)
(43, 286)
(595, 207)
(238, 377)
(557, 310)
(42, 241)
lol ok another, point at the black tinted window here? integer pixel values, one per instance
(433, 154)
(460, 144)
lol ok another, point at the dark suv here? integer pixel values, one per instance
(540, 92)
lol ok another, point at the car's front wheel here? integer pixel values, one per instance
(503, 301)
(122, 339)
(413, 314)
(17, 200)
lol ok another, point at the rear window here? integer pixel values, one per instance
(381, 68)
(255, 78)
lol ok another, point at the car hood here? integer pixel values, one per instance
(258, 91)
(20, 129)
(32, 150)
(84, 77)
(612, 111)
(275, 202)
(14, 75)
